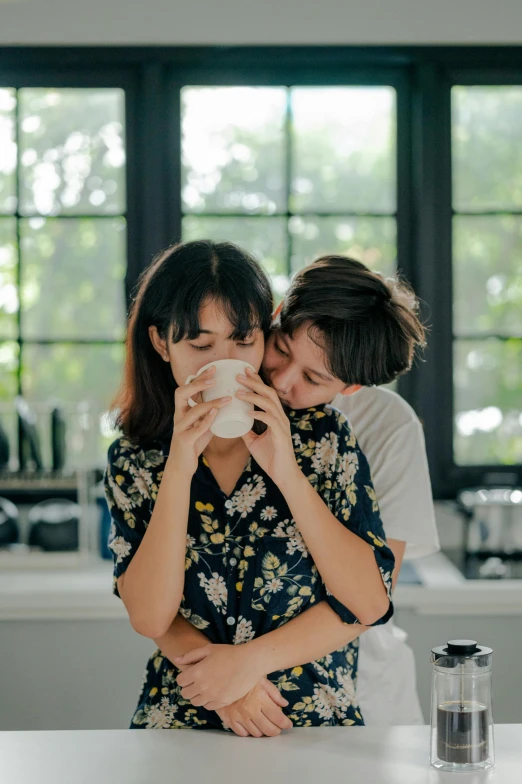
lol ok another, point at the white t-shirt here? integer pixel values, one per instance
(390, 435)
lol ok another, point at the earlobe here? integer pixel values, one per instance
(349, 390)
(159, 344)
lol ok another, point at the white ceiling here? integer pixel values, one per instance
(120, 22)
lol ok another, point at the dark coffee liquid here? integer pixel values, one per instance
(462, 732)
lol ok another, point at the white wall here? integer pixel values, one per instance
(100, 22)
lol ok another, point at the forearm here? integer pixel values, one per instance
(308, 637)
(345, 562)
(154, 580)
(180, 638)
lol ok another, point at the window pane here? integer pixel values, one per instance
(8, 389)
(72, 278)
(73, 374)
(233, 149)
(72, 151)
(370, 240)
(488, 402)
(7, 151)
(8, 286)
(265, 238)
(487, 148)
(487, 263)
(343, 149)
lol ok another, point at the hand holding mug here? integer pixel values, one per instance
(192, 422)
(237, 418)
(274, 449)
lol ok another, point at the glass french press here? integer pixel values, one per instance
(461, 708)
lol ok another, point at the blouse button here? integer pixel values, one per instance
(233, 561)
(231, 621)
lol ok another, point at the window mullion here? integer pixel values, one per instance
(432, 247)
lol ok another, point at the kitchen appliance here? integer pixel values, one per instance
(54, 525)
(492, 533)
(4, 449)
(58, 439)
(9, 525)
(461, 707)
(29, 447)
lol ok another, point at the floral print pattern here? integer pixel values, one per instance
(248, 569)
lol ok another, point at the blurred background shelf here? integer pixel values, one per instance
(52, 546)
(37, 485)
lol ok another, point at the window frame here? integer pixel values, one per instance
(422, 76)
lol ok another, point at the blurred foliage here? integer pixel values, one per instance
(487, 274)
(370, 240)
(8, 287)
(9, 358)
(487, 148)
(79, 263)
(343, 149)
(7, 151)
(233, 149)
(488, 401)
(71, 163)
(72, 151)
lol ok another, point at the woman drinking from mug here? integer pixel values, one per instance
(271, 540)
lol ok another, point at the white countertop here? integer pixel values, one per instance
(85, 593)
(395, 755)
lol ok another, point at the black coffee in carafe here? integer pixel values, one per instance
(462, 732)
(461, 710)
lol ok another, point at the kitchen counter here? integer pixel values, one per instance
(397, 755)
(85, 593)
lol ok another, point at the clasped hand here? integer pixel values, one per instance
(228, 680)
(218, 675)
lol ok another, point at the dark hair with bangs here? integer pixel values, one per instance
(169, 296)
(367, 325)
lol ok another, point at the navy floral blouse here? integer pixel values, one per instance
(248, 570)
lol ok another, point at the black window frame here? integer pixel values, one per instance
(422, 76)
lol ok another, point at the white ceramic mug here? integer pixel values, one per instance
(234, 419)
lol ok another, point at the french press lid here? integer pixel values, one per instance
(455, 651)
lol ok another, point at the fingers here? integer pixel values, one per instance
(199, 411)
(269, 419)
(199, 384)
(185, 678)
(198, 701)
(274, 693)
(192, 657)
(199, 430)
(257, 400)
(264, 726)
(232, 721)
(253, 381)
(253, 729)
(275, 715)
(238, 728)
(190, 693)
(215, 706)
